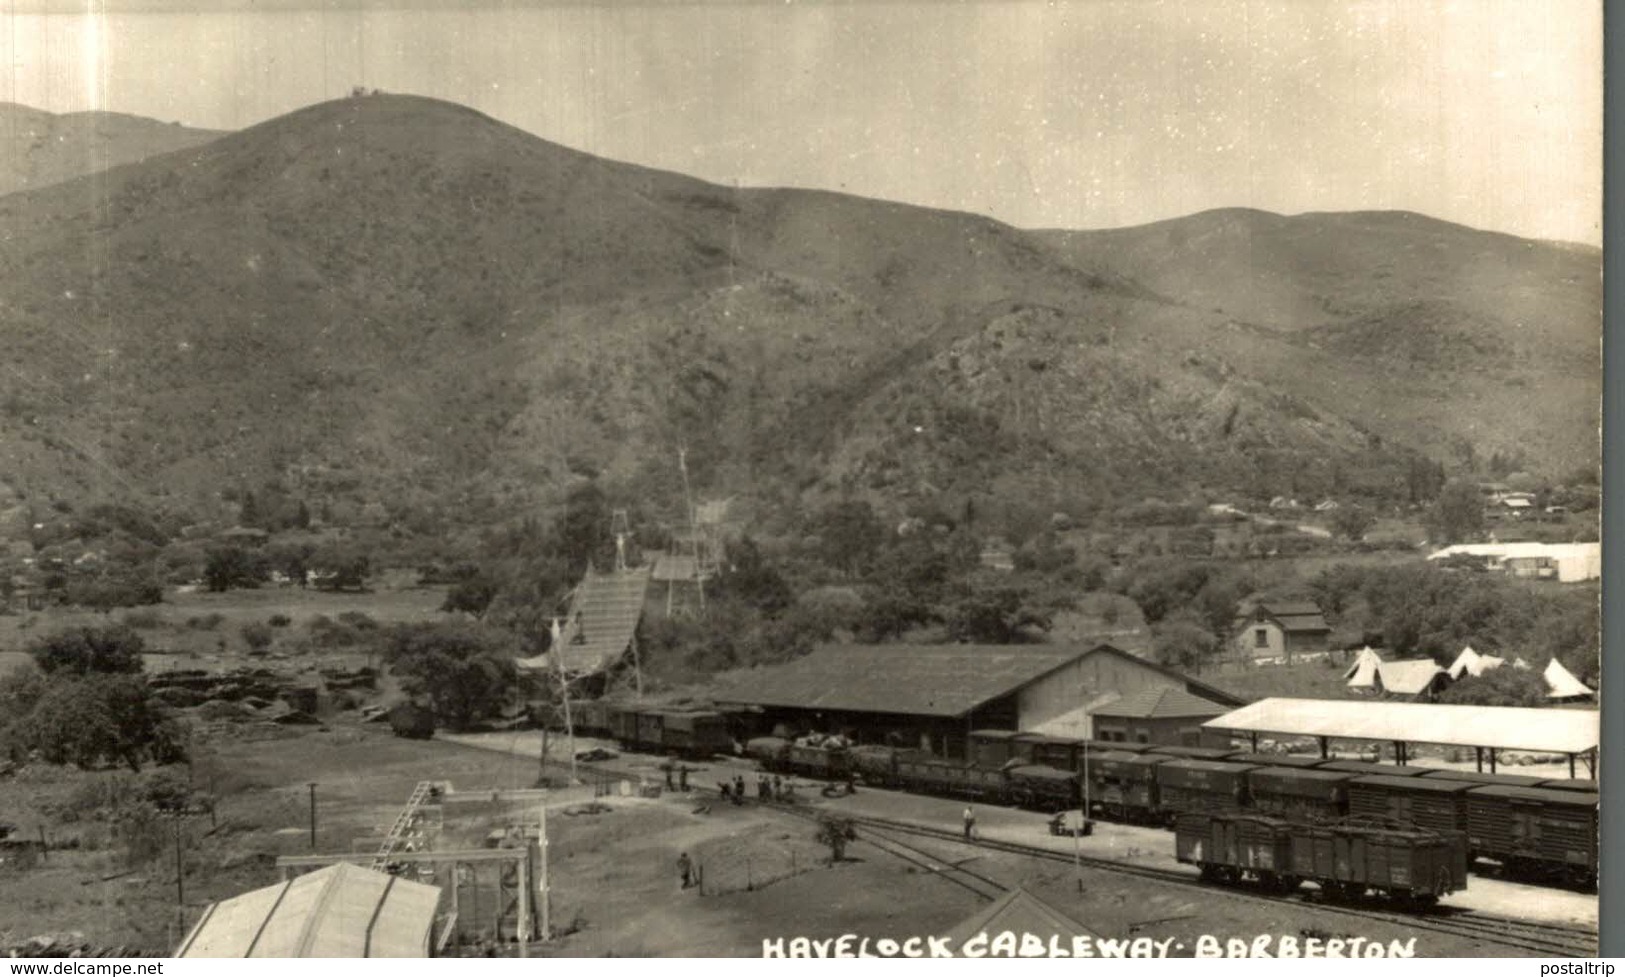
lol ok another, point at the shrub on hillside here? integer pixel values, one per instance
(258, 637)
(88, 650)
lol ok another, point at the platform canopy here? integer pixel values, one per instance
(1493, 727)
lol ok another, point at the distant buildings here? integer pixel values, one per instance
(1279, 632)
(1563, 562)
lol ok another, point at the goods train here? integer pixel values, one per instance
(1537, 829)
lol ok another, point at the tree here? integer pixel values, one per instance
(835, 832)
(1352, 522)
(1182, 641)
(229, 567)
(754, 581)
(1504, 686)
(464, 669)
(1458, 515)
(292, 560)
(849, 535)
(94, 719)
(995, 611)
(471, 593)
(341, 567)
(112, 650)
(583, 531)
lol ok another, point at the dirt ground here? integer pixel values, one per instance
(613, 863)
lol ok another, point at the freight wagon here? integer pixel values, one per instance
(1536, 833)
(1124, 785)
(1305, 795)
(1422, 801)
(1201, 785)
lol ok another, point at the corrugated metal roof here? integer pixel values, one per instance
(919, 680)
(1018, 911)
(1501, 727)
(1163, 703)
(603, 617)
(340, 911)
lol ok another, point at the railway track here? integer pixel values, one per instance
(1548, 939)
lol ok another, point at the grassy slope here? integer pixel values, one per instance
(407, 295)
(41, 148)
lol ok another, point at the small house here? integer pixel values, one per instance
(1280, 631)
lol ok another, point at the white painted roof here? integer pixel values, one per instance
(340, 911)
(1501, 727)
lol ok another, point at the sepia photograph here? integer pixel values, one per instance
(776, 479)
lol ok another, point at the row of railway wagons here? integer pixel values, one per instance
(668, 731)
(1539, 829)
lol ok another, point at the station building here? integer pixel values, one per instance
(931, 696)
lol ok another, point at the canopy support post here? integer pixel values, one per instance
(1254, 737)
(1478, 752)
(1571, 766)
(1325, 742)
(1492, 759)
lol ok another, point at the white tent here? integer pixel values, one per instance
(1520, 664)
(1470, 662)
(1563, 684)
(1363, 673)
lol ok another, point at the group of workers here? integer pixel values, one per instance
(767, 789)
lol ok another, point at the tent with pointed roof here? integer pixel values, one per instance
(1018, 911)
(1362, 673)
(1562, 683)
(1470, 662)
(1418, 677)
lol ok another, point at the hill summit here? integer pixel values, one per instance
(396, 298)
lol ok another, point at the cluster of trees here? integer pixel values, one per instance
(336, 566)
(84, 701)
(1429, 610)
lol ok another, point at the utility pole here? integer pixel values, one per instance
(312, 816)
(1077, 844)
(564, 692)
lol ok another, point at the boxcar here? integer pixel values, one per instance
(935, 775)
(1371, 769)
(991, 747)
(1414, 866)
(874, 765)
(1477, 777)
(1589, 786)
(1023, 744)
(587, 715)
(1041, 788)
(697, 734)
(1193, 752)
(1422, 801)
(651, 729)
(1101, 746)
(1124, 785)
(1305, 795)
(622, 721)
(1055, 751)
(1234, 848)
(1277, 760)
(1534, 832)
(1201, 785)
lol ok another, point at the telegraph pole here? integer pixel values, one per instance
(312, 816)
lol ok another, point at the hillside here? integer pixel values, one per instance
(41, 148)
(393, 298)
(1433, 334)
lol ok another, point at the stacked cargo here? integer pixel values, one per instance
(1042, 788)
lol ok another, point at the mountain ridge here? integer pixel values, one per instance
(415, 301)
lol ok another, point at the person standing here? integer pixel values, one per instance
(685, 868)
(970, 823)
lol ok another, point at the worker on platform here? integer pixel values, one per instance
(682, 779)
(685, 868)
(739, 788)
(970, 823)
(764, 790)
(778, 788)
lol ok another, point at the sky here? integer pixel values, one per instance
(1080, 115)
